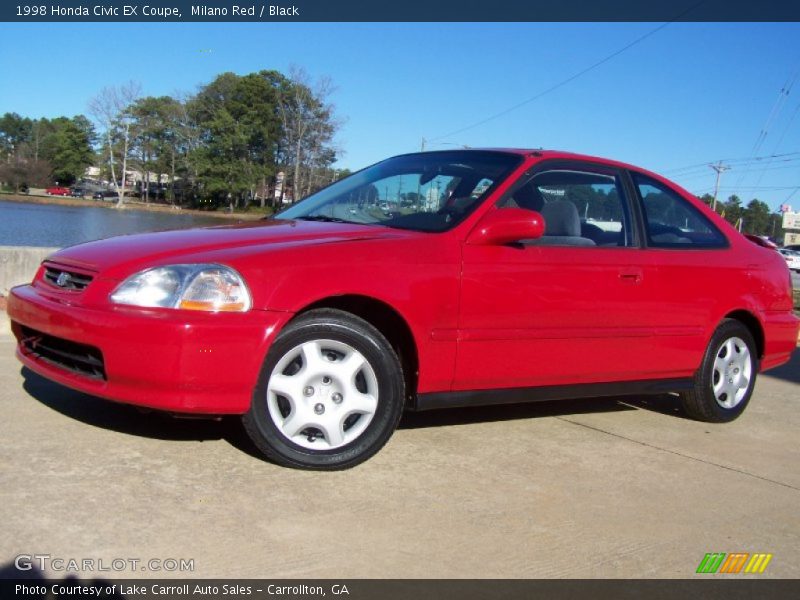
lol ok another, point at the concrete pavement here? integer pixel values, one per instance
(584, 488)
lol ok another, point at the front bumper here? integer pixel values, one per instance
(170, 360)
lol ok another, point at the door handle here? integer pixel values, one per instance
(630, 275)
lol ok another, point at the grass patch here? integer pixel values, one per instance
(255, 209)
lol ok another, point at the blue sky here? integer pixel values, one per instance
(690, 94)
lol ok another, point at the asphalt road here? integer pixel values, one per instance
(584, 488)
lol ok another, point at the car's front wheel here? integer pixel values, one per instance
(330, 393)
(724, 383)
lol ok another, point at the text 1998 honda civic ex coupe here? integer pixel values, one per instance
(430, 280)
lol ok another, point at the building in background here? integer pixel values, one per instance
(791, 226)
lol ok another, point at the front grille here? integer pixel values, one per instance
(66, 280)
(71, 356)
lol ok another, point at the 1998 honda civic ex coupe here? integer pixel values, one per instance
(431, 280)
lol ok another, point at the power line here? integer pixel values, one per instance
(704, 191)
(783, 94)
(753, 188)
(770, 168)
(780, 141)
(732, 160)
(569, 79)
(703, 173)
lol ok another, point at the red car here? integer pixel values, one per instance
(502, 276)
(57, 190)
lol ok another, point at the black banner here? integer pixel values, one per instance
(407, 10)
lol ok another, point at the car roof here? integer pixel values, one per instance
(545, 154)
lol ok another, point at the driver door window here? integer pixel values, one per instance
(579, 208)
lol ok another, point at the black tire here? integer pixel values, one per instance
(702, 403)
(385, 375)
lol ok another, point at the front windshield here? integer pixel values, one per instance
(431, 191)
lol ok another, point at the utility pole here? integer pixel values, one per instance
(422, 146)
(719, 168)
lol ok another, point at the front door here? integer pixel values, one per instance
(575, 306)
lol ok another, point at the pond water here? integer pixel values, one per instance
(58, 226)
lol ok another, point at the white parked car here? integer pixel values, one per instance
(792, 258)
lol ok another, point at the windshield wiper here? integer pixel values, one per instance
(323, 218)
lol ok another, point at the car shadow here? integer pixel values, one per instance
(28, 572)
(124, 418)
(664, 403)
(789, 372)
(127, 419)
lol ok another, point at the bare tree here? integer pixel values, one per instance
(110, 108)
(307, 119)
(23, 168)
(188, 140)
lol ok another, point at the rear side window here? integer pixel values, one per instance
(672, 222)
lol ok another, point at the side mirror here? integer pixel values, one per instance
(506, 225)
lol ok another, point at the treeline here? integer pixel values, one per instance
(43, 151)
(261, 138)
(755, 218)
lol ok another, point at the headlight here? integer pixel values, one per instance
(214, 288)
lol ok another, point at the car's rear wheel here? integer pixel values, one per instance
(330, 393)
(724, 383)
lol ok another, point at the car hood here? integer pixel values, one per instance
(123, 253)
